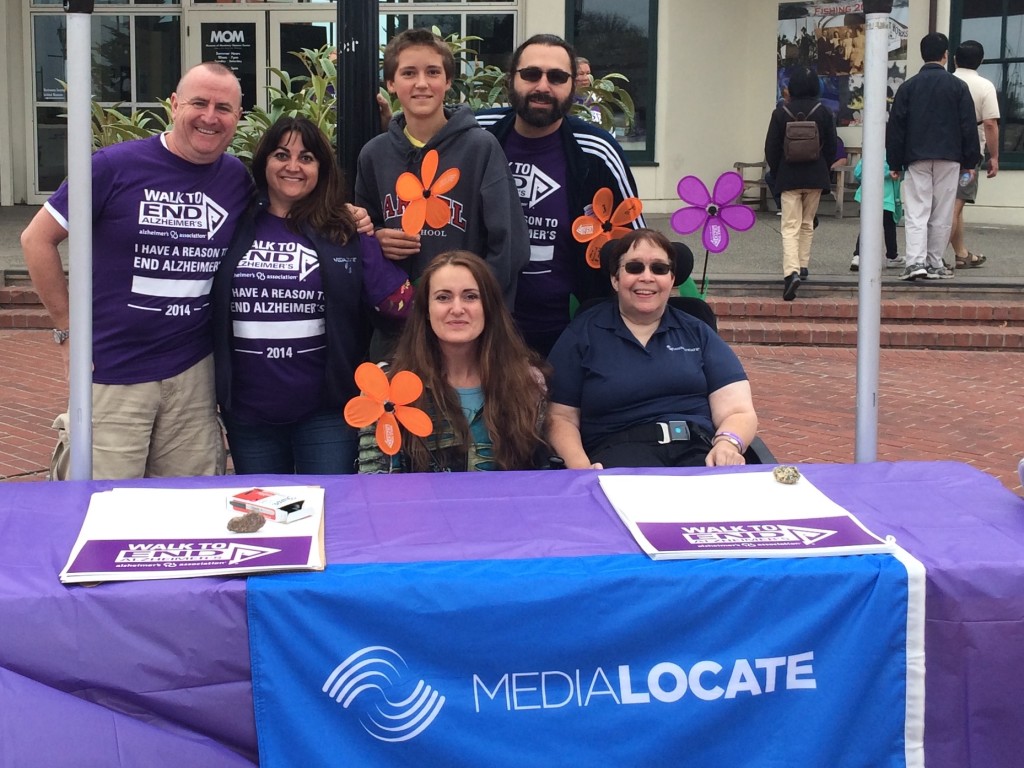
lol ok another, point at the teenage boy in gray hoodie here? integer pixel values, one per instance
(486, 216)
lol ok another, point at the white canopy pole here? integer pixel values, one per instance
(79, 80)
(869, 310)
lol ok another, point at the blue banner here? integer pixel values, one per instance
(609, 660)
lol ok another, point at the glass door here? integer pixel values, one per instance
(135, 62)
(290, 32)
(249, 42)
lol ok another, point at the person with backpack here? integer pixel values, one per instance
(800, 147)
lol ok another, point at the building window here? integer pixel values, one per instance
(137, 51)
(497, 30)
(99, 3)
(622, 36)
(135, 63)
(999, 26)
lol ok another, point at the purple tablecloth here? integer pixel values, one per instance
(157, 672)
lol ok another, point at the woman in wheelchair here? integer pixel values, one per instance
(638, 382)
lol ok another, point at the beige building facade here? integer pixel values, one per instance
(711, 87)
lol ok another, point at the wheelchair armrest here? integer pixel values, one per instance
(757, 453)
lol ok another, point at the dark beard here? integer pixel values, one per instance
(540, 117)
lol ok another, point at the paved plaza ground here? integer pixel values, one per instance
(933, 405)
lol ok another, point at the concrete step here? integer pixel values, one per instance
(12, 277)
(25, 318)
(970, 285)
(906, 322)
(844, 334)
(902, 310)
(824, 315)
(17, 296)
(20, 307)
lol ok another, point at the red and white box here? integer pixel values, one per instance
(276, 507)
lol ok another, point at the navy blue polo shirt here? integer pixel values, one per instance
(601, 368)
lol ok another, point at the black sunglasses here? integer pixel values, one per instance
(659, 268)
(534, 74)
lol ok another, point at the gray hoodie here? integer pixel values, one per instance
(487, 217)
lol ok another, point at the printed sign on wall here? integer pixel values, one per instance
(233, 44)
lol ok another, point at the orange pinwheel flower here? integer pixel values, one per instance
(605, 225)
(387, 403)
(422, 196)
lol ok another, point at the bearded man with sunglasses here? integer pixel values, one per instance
(559, 162)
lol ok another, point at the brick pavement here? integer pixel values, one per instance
(33, 391)
(933, 405)
(965, 406)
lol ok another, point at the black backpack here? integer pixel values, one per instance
(802, 143)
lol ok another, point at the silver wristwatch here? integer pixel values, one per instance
(60, 336)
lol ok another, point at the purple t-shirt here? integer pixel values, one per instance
(279, 311)
(542, 296)
(277, 316)
(160, 227)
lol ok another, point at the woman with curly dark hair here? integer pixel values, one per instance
(483, 388)
(293, 301)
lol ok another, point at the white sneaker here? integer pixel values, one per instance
(898, 263)
(939, 273)
(855, 264)
(913, 272)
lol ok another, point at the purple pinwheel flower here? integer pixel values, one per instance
(716, 212)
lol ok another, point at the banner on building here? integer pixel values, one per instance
(830, 38)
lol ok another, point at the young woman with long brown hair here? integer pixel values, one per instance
(483, 388)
